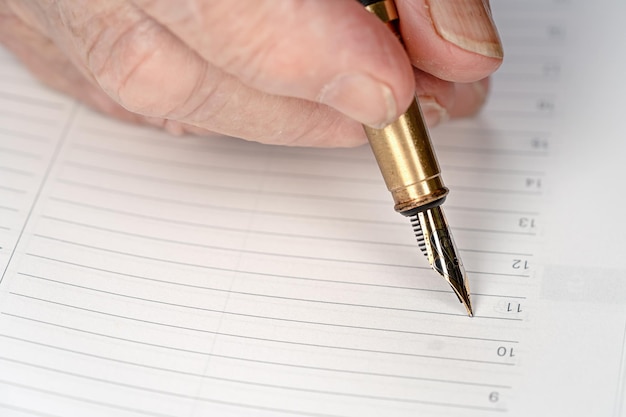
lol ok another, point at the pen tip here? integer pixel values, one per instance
(460, 287)
(435, 240)
(468, 304)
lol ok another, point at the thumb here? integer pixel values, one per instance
(330, 51)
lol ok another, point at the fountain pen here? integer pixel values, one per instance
(407, 161)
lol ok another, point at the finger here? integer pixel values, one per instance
(329, 51)
(455, 40)
(229, 107)
(52, 67)
(441, 100)
(22, 33)
(152, 73)
(469, 98)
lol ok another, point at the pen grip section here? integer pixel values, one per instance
(407, 162)
(386, 11)
(403, 149)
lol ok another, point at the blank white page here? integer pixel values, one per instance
(146, 275)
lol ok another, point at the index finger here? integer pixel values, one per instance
(329, 51)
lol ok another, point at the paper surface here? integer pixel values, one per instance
(149, 275)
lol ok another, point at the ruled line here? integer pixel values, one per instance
(499, 171)
(529, 58)
(29, 117)
(257, 316)
(212, 400)
(203, 147)
(526, 114)
(252, 191)
(492, 151)
(204, 167)
(53, 158)
(205, 376)
(210, 145)
(86, 400)
(264, 339)
(259, 273)
(231, 189)
(528, 10)
(12, 189)
(23, 135)
(496, 252)
(306, 300)
(534, 77)
(275, 296)
(277, 213)
(531, 95)
(474, 189)
(544, 41)
(223, 249)
(479, 132)
(260, 232)
(16, 171)
(210, 206)
(26, 410)
(314, 301)
(492, 210)
(499, 274)
(506, 232)
(12, 98)
(24, 154)
(220, 356)
(215, 227)
(244, 251)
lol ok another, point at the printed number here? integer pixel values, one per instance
(545, 105)
(513, 308)
(551, 69)
(504, 351)
(526, 223)
(494, 396)
(533, 182)
(555, 31)
(520, 264)
(538, 143)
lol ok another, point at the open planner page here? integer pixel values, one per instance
(149, 275)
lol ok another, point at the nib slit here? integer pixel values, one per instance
(435, 241)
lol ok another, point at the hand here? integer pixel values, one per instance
(297, 72)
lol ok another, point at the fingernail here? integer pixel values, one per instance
(362, 98)
(433, 112)
(467, 24)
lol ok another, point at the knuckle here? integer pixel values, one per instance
(122, 50)
(121, 63)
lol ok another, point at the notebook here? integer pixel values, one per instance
(148, 275)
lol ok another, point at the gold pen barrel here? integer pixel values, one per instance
(408, 163)
(403, 149)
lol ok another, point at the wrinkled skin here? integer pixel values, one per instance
(297, 72)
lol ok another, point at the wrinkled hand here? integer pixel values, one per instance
(301, 72)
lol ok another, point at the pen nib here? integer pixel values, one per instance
(435, 241)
